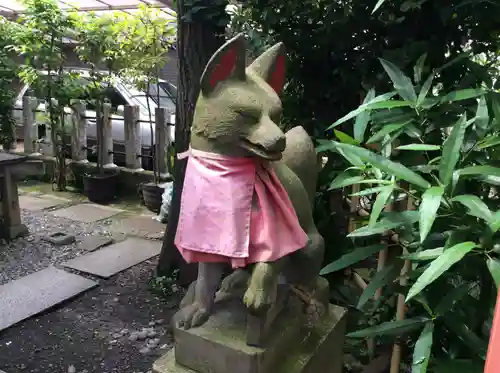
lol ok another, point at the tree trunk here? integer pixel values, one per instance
(196, 43)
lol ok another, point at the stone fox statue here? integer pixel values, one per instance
(249, 188)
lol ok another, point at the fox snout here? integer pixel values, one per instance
(278, 146)
(265, 141)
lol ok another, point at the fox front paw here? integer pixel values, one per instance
(262, 291)
(192, 316)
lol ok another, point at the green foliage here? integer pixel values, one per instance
(202, 11)
(8, 72)
(444, 164)
(119, 44)
(333, 47)
(40, 40)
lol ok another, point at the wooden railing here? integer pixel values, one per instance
(77, 131)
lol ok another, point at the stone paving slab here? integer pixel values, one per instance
(142, 226)
(86, 212)
(37, 292)
(115, 258)
(92, 243)
(33, 203)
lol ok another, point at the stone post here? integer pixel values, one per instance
(161, 140)
(30, 129)
(47, 144)
(132, 137)
(105, 138)
(79, 132)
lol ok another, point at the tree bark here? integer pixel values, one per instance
(196, 43)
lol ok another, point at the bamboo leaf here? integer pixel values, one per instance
(384, 164)
(389, 221)
(378, 5)
(475, 206)
(422, 350)
(495, 222)
(344, 180)
(464, 94)
(379, 280)
(495, 104)
(324, 145)
(451, 150)
(489, 141)
(388, 104)
(439, 266)
(479, 170)
(386, 130)
(361, 109)
(482, 118)
(401, 82)
(328, 145)
(355, 256)
(424, 255)
(363, 118)
(345, 138)
(457, 324)
(494, 268)
(368, 191)
(425, 88)
(418, 69)
(390, 328)
(379, 204)
(419, 147)
(431, 200)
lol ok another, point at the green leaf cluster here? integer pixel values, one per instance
(439, 150)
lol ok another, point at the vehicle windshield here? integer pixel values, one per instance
(111, 94)
(167, 93)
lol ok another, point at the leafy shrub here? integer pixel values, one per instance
(426, 163)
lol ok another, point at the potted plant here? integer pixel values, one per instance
(100, 40)
(148, 57)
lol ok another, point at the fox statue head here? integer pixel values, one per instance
(238, 110)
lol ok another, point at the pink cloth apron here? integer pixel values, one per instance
(218, 221)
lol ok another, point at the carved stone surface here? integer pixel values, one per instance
(292, 331)
(219, 346)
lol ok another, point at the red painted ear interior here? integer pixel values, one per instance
(224, 68)
(277, 78)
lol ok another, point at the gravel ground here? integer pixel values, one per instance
(28, 254)
(118, 327)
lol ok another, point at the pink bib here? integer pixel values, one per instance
(218, 221)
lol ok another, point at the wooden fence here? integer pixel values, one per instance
(34, 145)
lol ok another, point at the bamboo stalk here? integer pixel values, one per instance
(359, 280)
(354, 205)
(400, 310)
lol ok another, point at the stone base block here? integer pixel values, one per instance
(223, 349)
(16, 231)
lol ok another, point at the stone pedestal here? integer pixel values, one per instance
(220, 345)
(12, 168)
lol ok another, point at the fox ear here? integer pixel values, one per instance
(228, 62)
(270, 66)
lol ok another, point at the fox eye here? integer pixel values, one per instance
(247, 115)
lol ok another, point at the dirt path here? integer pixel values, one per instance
(95, 332)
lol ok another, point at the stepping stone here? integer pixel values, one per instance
(92, 243)
(37, 292)
(32, 203)
(116, 257)
(143, 226)
(86, 212)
